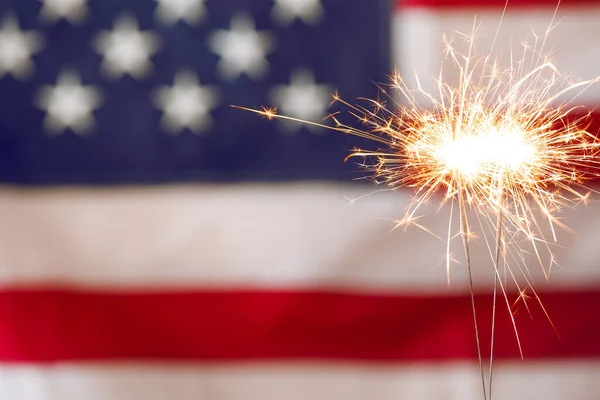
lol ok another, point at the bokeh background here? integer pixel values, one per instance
(156, 243)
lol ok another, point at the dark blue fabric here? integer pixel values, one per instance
(350, 50)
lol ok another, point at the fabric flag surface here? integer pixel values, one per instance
(156, 243)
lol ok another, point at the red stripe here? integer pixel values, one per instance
(44, 326)
(499, 4)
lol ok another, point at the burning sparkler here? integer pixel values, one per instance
(502, 143)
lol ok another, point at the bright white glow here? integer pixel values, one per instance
(501, 150)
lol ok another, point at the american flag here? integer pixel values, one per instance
(157, 244)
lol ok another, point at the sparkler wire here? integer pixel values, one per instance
(465, 236)
(499, 232)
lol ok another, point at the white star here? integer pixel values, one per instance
(68, 104)
(170, 11)
(186, 104)
(303, 99)
(309, 11)
(242, 49)
(74, 11)
(16, 49)
(126, 49)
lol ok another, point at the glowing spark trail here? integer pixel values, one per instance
(503, 144)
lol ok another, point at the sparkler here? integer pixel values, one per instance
(502, 143)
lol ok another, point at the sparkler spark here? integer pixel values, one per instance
(504, 143)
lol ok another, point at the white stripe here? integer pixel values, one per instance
(572, 44)
(267, 235)
(548, 381)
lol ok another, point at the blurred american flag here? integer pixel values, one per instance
(157, 244)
